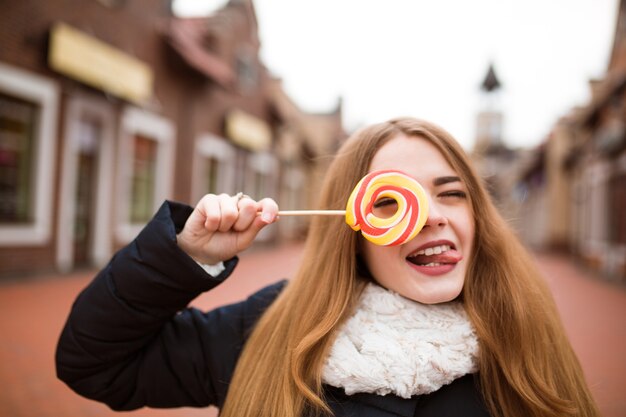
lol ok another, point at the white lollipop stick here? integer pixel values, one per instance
(312, 213)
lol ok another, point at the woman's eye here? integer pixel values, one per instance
(384, 207)
(385, 201)
(454, 194)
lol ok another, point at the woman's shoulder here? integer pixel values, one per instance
(249, 310)
(266, 295)
(256, 304)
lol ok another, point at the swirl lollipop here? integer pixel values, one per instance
(404, 224)
(396, 229)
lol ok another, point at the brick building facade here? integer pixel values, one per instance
(575, 184)
(109, 107)
(596, 167)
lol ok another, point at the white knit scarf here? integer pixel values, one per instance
(395, 345)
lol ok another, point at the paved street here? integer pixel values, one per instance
(32, 314)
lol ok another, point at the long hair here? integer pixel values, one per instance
(526, 364)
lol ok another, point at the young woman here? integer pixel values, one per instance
(456, 322)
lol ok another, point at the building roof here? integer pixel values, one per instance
(491, 82)
(185, 36)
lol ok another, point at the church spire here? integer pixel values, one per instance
(489, 119)
(491, 82)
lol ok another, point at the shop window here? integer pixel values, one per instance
(143, 179)
(17, 143)
(262, 174)
(260, 185)
(617, 208)
(215, 167)
(146, 155)
(212, 166)
(293, 197)
(261, 182)
(28, 125)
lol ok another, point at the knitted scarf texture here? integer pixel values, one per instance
(395, 345)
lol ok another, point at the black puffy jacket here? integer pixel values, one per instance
(130, 340)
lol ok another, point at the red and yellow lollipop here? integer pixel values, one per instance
(401, 226)
(404, 224)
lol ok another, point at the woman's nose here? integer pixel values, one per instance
(435, 215)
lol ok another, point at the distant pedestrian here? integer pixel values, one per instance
(454, 322)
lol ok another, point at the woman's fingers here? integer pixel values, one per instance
(265, 214)
(209, 207)
(248, 209)
(269, 210)
(221, 226)
(228, 212)
(224, 213)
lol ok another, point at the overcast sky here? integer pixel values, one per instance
(428, 58)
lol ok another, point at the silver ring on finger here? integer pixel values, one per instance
(240, 196)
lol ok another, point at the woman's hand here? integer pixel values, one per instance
(221, 226)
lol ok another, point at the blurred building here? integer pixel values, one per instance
(306, 144)
(579, 174)
(493, 159)
(542, 191)
(108, 107)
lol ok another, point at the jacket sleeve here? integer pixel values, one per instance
(130, 341)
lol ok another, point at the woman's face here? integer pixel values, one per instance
(430, 268)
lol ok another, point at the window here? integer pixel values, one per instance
(260, 185)
(28, 125)
(617, 208)
(293, 197)
(261, 182)
(215, 167)
(262, 173)
(146, 163)
(143, 179)
(17, 142)
(246, 72)
(212, 166)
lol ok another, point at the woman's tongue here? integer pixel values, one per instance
(448, 257)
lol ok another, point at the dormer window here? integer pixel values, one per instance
(210, 42)
(247, 73)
